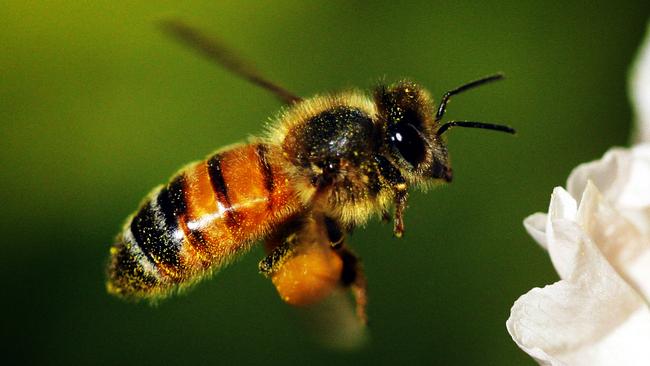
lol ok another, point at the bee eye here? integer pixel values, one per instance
(408, 142)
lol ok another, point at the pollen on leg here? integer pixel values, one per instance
(309, 275)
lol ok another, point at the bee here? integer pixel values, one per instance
(324, 167)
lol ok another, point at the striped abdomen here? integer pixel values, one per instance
(210, 211)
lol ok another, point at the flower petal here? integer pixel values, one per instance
(563, 253)
(608, 174)
(620, 242)
(535, 224)
(623, 177)
(640, 90)
(570, 321)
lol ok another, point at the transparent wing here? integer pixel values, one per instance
(215, 50)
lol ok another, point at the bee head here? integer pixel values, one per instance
(412, 133)
(409, 132)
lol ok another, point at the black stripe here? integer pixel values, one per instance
(267, 172)
(198, 241)
(216, 178)
(220, 188)
(173, 206)
(171, 201)
(155, 241)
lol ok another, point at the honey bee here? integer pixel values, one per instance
(325, 166)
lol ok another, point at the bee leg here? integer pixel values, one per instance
(334, 232)
(385, 217)
(353, 277)
(277, 256)
(400, 189)
(401, 196)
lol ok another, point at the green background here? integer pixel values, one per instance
(97, 107)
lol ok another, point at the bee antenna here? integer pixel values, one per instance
(472, 124)
(462, 88)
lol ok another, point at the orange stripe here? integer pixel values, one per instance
(249, 198)
(246, 189)
(205, 212)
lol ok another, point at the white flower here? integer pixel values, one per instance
(599, 243)
(597, 233)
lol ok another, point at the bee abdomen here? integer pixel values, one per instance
(210, 211)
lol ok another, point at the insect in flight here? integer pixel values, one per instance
(326, 165)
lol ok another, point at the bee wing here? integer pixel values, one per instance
(217, 51)
(333, 322)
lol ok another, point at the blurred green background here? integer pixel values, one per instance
(97, 107)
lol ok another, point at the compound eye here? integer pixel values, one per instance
(408, 142)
